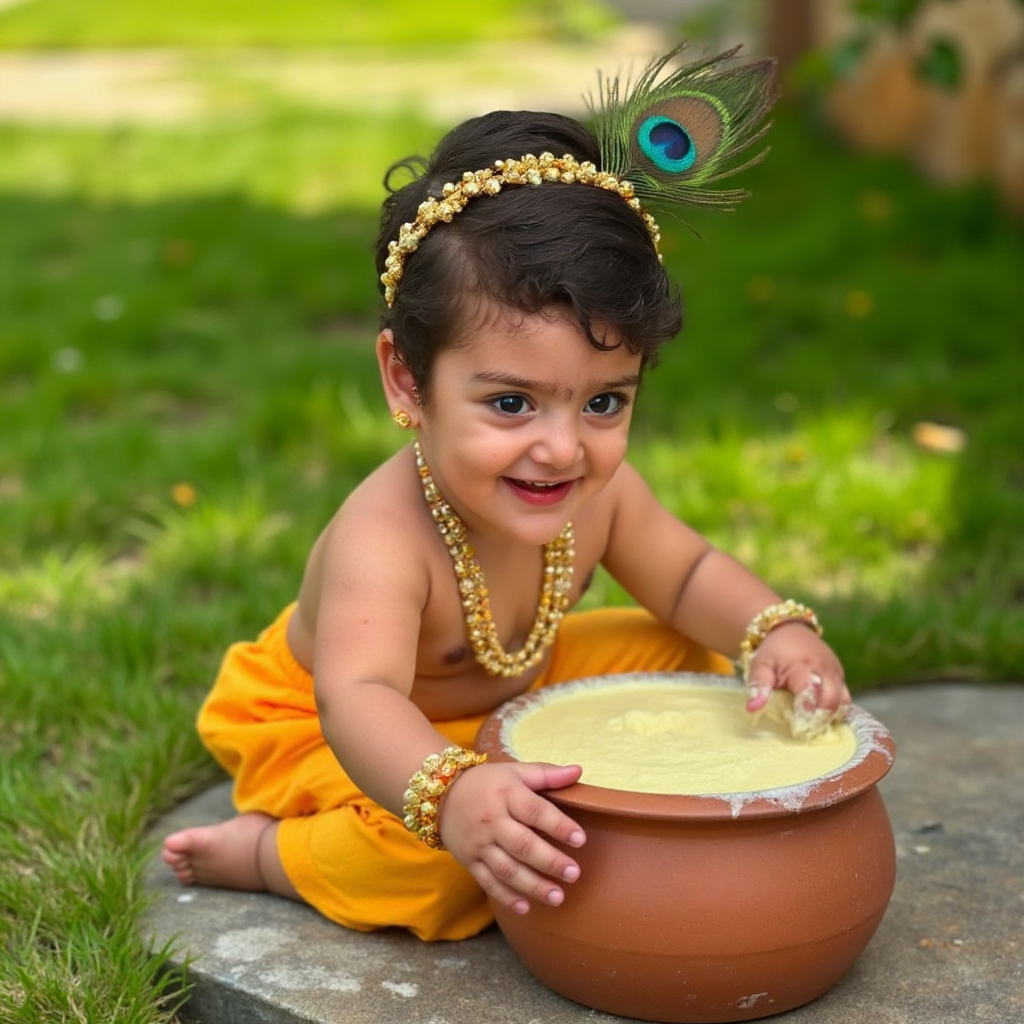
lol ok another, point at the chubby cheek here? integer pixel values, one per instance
(481, 470)
(606, 457)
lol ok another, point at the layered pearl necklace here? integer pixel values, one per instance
(554, 593)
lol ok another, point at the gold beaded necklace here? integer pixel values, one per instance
(554, 593)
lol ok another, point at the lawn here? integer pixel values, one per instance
(402, 24)
(187, 391)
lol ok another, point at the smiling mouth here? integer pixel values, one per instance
(538, 485)
(541, 491)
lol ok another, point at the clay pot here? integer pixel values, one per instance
(711, 908)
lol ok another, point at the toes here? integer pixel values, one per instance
(177, 853)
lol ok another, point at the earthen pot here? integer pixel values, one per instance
(711, 908)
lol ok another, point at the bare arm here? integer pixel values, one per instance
(368, 612)
(492, 818)
(709, 596)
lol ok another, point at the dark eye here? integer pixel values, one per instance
(511, 405)
(606, 405)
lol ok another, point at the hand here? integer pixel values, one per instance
(491, 818)
(795, 658)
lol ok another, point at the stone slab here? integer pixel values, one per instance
(950, 949)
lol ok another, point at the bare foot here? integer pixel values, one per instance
(226, 855)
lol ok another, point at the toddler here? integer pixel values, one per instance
(525, 301)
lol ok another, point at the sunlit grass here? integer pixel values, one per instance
(297, 23)
(294, 159)
(836, 509)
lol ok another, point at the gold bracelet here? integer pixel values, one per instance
(764, 622)
(427, 788)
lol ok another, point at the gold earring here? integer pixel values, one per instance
(402, 419)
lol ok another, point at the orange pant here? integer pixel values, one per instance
(348, 857)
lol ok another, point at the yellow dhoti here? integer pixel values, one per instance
(347, 856)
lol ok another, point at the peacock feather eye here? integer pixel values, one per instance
(667, 144)
(672, 136)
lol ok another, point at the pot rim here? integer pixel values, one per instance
(869, 763)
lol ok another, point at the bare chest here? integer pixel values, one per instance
(450, 681)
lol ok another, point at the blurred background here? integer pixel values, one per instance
(189, 195)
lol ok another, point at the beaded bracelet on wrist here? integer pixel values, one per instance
(427, 789)
(765, 621)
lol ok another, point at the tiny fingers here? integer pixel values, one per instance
(812, 689)
(809, 696)
(817, 705)
(540, 815)
(540, 857)
(523, 863)
(496, 890)
(759, 687)
(513, 883)
(825, 693)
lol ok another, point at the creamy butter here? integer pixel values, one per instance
(655, 737)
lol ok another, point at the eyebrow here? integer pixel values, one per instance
(509, 380)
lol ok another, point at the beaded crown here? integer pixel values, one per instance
(662, 140)
(530, 170)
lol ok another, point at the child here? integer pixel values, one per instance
(520, 322)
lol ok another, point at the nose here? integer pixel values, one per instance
(559, 443)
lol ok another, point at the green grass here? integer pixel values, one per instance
(401, 24)
(196, 306)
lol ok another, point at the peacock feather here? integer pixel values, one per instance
(672, 138)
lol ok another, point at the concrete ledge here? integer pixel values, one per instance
(950, 949)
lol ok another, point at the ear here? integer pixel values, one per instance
(399, 386)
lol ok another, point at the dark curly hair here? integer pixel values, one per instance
(529, 248)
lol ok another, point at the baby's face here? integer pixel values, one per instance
(527, 421)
